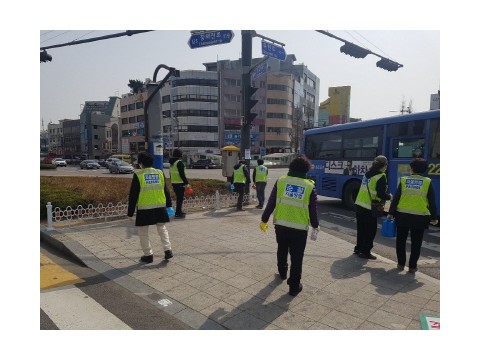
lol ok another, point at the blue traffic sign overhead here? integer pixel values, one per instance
(273, 50)
(208, 38)
(259, 71)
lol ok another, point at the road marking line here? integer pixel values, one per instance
(71, 309)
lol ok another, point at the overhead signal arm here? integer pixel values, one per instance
(360, 53)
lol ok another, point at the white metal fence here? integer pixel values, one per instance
(109, 211)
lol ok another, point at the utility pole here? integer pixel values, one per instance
(246, 85)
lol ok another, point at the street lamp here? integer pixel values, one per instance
(175, 119)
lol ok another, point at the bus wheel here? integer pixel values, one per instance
(350, 194)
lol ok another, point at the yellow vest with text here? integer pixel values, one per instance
(239, 176)
(293, 197)
(152, 193)
(261, 174)
(175, 175)
(363, 198)
(413, 199)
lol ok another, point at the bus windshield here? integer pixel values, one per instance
(342, 154)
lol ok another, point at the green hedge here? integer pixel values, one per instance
(47, 166)
(60, 198)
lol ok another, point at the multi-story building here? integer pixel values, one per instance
(55, 138)
(189, 110)
(285, 90)
(71, 139)
(99, 128)
(132, 123)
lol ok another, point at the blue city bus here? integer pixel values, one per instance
(341, 154)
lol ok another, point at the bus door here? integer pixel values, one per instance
(401, 152)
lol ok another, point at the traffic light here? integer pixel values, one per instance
(44, 56)
(388, 65)
(250, 104)
(354, 50)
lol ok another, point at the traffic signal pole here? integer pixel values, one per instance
(247, 36)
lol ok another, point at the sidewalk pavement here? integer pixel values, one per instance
(224, 276)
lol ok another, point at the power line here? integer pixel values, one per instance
(55, 36)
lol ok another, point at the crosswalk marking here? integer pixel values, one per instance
(71, 309)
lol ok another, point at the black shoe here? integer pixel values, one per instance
(180, 216)
(259, 206)
(147, 259)
(296, 291)
(168, 254)
(367, 256)
(356, 251)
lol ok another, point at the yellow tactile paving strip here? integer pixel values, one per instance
(53, 275)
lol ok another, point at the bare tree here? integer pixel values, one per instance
(297, 128)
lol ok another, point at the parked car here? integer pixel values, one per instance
(103, 162)
(110, 161)
(204, 164)
(59, 162)
(89, 164)
(121, 167)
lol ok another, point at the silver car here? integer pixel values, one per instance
(89, 164)
(121, 167)
(59, 162)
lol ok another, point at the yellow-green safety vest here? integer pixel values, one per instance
(293, 197)
(363, 198)
(413, 199)
(175, 175)
(239, 176)
(261, 173)
(152, 193)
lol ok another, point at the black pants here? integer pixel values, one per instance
(179, 190)
(366, 231)
(416, 236)
(261, 192)
(240, 190)
(291, 241)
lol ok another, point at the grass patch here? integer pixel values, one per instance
(63, 191)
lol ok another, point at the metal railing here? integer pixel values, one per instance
(73, 214)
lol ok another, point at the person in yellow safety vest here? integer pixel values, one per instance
(260, 177)
(293, 202)
(241, 177)
(178, 178)
(376, 181)
(151, 198)
(413, 208)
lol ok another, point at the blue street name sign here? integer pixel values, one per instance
(272, 50)
(259, 71)
(208, 38)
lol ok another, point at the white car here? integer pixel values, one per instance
(59, 162)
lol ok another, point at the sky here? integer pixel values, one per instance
(96, 70)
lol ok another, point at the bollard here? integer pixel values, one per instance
(49, 216)
(217, 200)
